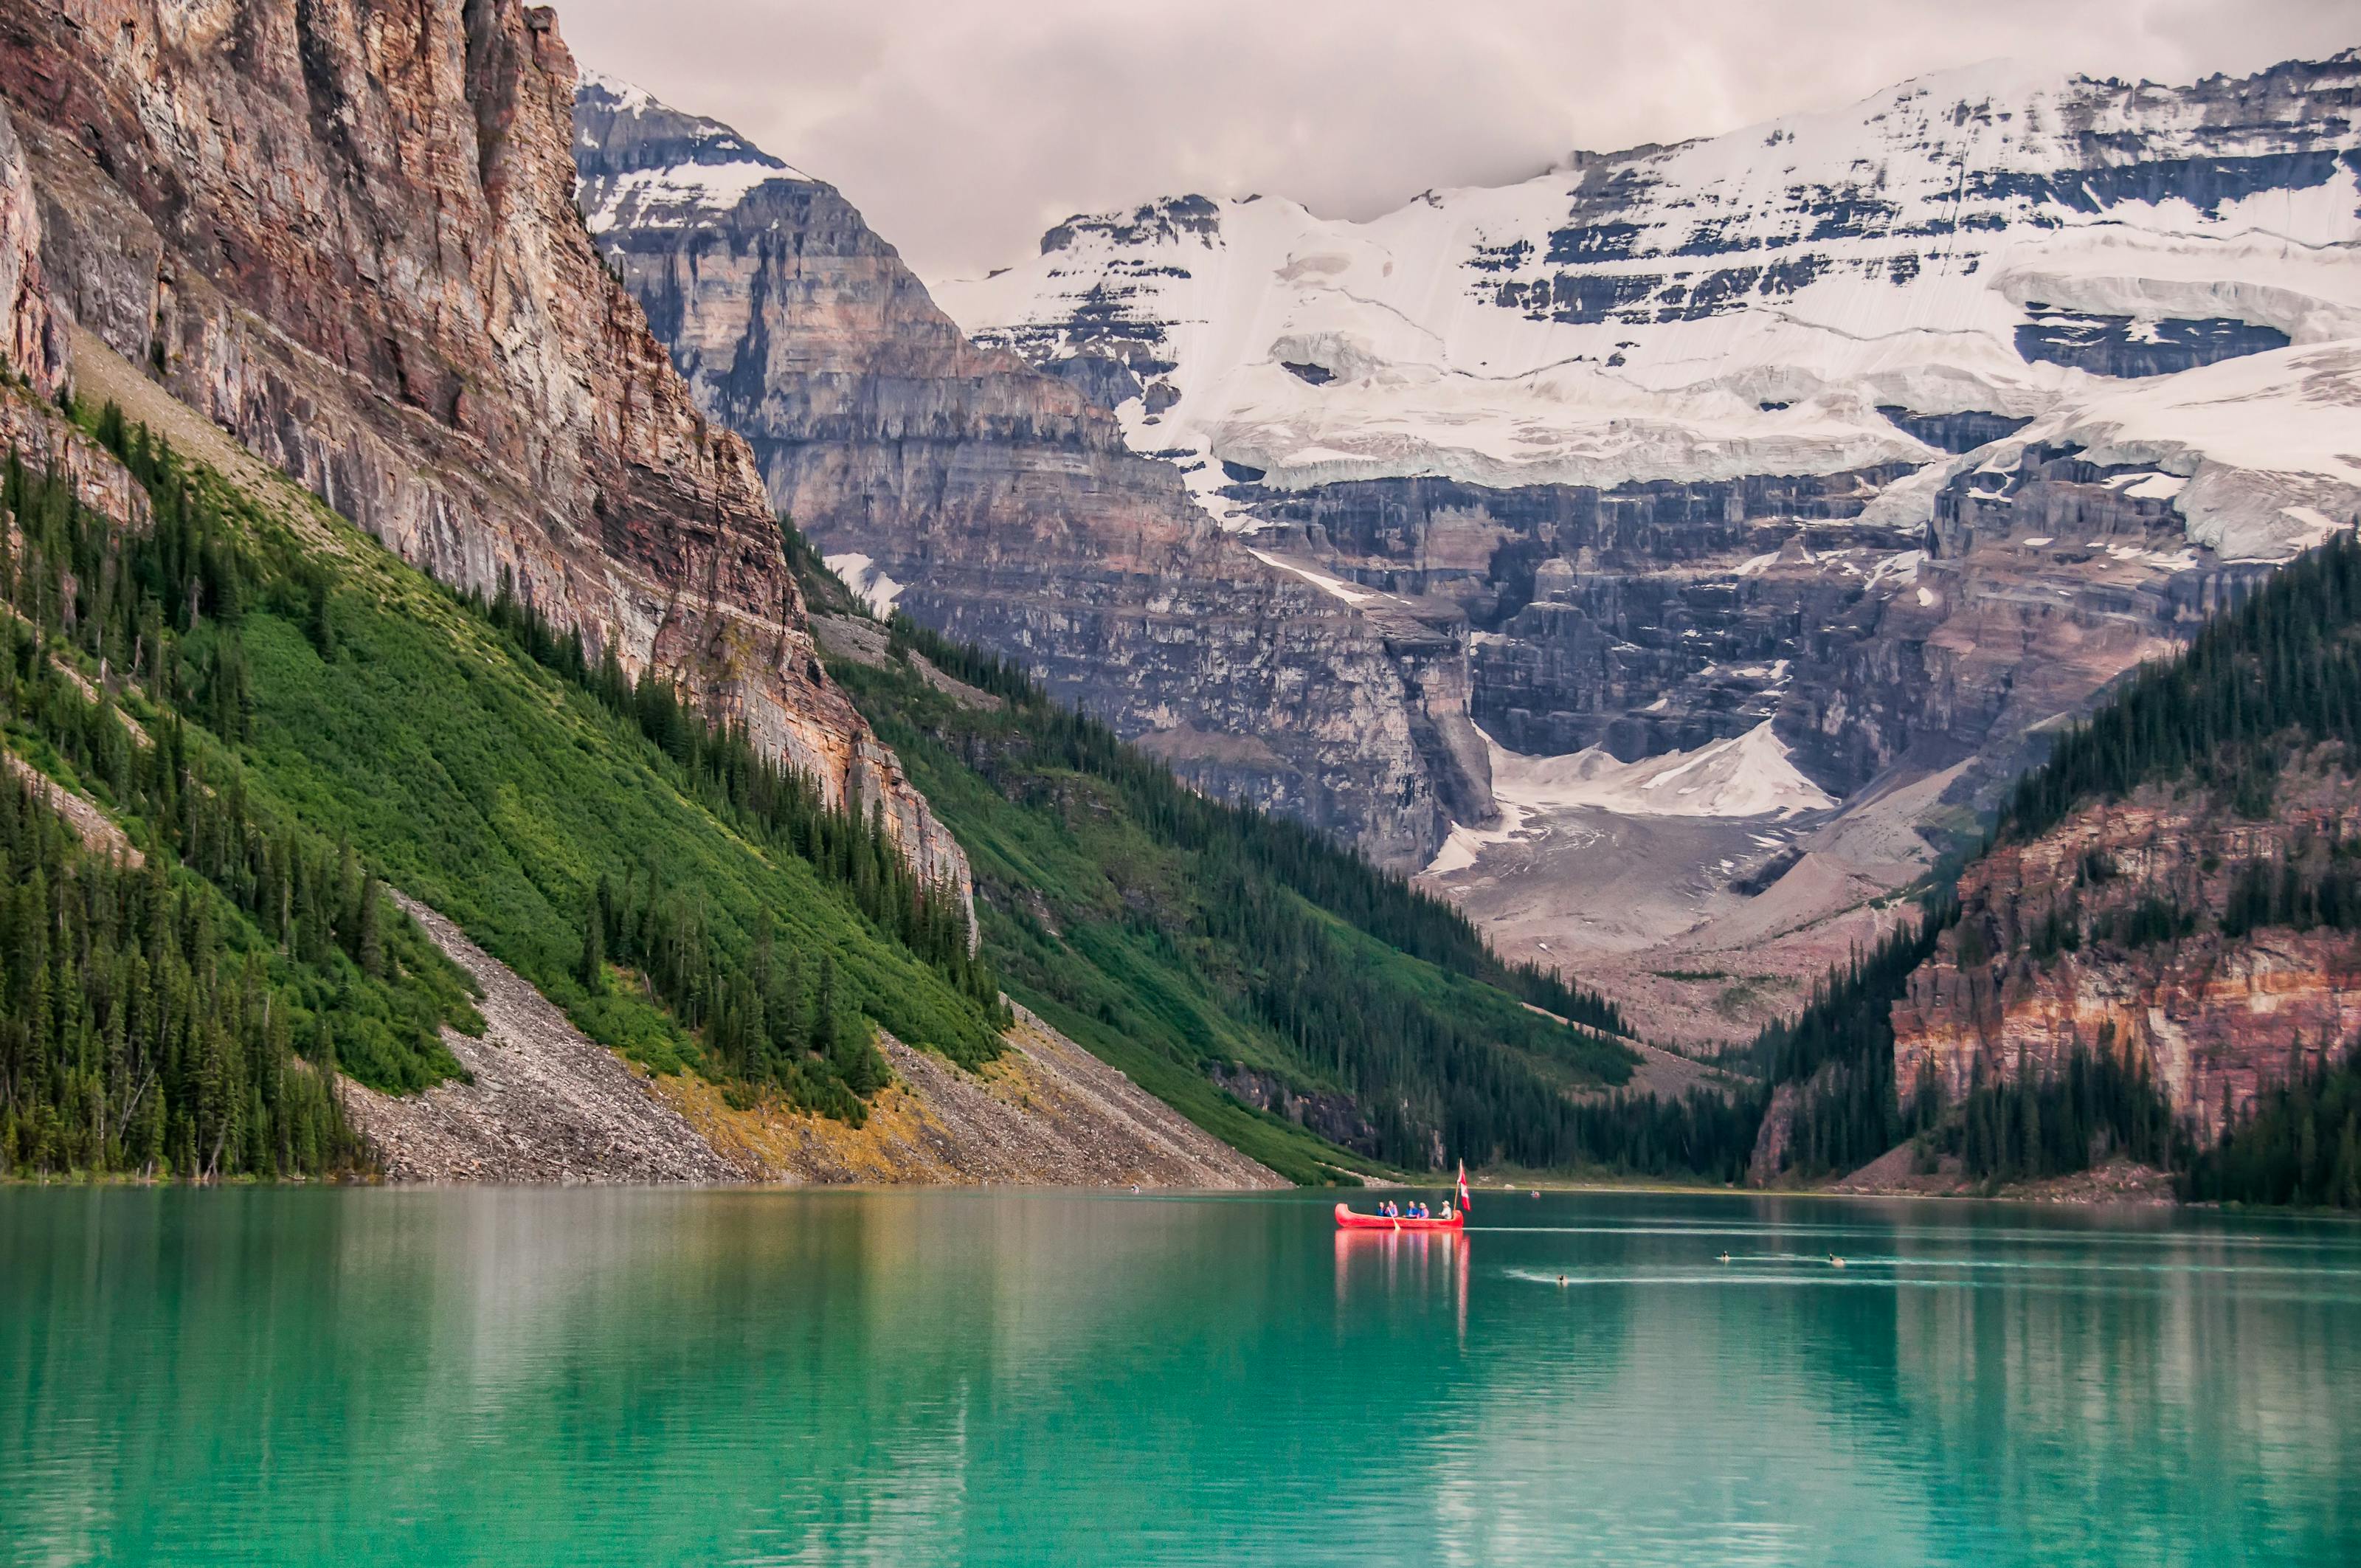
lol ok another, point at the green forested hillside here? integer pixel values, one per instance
(151, 1025)
(1178, 937)
(2282, 669)
(323, 717)
(2278, 677)
(1842, 1047)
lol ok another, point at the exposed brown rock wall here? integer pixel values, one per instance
(344, 230)
(2214, 1019)
(32, 339)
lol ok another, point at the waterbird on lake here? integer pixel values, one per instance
(1725, 1258)
(1835, 1261)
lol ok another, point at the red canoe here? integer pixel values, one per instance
(1348, 1220)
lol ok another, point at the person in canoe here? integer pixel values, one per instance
(1408, 1216)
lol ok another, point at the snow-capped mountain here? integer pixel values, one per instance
(668, 170)
(1868, 441)
(1826, 292)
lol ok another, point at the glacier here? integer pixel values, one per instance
(1987, 241)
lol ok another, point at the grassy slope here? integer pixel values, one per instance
(1116, 991)
(499, 794)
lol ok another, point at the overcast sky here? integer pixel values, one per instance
(962, 128)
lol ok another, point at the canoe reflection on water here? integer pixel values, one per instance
(1404, 1265)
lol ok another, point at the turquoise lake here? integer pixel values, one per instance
(587, 1376)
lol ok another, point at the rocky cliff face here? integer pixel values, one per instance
(32, 338)
(1655, 616)
(2215, 1018)
(35, 352)
(1002, 505)
(344, 231)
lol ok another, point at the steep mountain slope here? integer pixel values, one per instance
(1001, 506)
(345, 232)
(2159, 946)
(337, 231)
(1907, 426)
(274, 723)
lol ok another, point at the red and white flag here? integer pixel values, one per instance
(1463, 1186)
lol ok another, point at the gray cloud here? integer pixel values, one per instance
(964, 127)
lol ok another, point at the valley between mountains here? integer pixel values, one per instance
(539, 649)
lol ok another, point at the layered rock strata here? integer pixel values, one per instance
(1002, 506)
(1658, 617)
(344, 231)
(2213, 1018)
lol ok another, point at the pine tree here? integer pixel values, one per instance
(591, 968)
(822, 1037)
(322, 623)
(368, 943)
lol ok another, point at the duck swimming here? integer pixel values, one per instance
(1835, 1261)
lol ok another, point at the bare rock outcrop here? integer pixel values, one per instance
(99, 833)
(344, 230)
(32, 338)
(2214, 1019)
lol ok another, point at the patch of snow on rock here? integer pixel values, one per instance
(1334, 586)
(1746, 776)
(862, 576)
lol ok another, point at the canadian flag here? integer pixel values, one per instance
(1462, 1186)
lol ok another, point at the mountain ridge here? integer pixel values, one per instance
(1005, 504)
(1434, 290)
